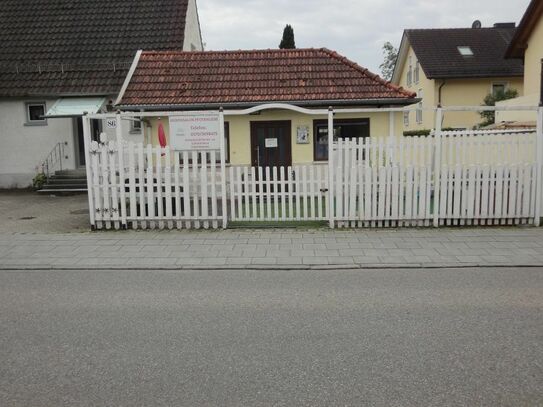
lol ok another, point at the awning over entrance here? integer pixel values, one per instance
(72, 107)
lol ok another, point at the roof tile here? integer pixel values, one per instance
(79, 46)
(195, 78)
(437, 51)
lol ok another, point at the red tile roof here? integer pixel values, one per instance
(303, 76)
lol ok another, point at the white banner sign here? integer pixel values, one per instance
(195, 131)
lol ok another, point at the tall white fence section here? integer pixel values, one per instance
(488, 178)
(484, 178)
(447, 178)
(157, 188)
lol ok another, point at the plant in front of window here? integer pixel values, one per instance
(287, 42)
(491, 99)
(391, 54)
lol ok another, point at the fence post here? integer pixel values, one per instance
(120, 151)
(539, 163)
(223, 169)
(437, 164)
(331, 204)
(88, 171)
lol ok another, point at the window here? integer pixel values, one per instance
(406, 119)
(498, 88)
(465, 51)
(410, 72)
(419, 107)
(346, 128)
(416, 73)
(34, 113)
(226, 142)
(135, 126)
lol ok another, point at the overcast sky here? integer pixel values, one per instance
(354, 28)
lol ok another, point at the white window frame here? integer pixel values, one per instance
(417, 72)
(419, 107)
(133, 128)
(406, 119)
(465, 50)
(410, 72)
(28, 121)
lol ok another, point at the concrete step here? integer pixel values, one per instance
(61, 191)
(78, 173)
(61, 181)
(66, 186)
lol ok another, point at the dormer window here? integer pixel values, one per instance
(465, 51)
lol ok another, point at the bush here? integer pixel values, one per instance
(490, 100)
(423, 132)
(39, 180)
(414, 133)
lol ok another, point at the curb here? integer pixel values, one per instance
(282, 267)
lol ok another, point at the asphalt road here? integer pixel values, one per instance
(282, 338)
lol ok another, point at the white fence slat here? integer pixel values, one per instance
(177, 189)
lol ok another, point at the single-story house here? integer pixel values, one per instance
(61, 58)
(527, 46)
(310, 78)
(455, 67)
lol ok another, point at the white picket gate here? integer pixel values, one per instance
(295, 193)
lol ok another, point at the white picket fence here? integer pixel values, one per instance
(488, 178)
(482, 179)
(151, 187)
(295, 193)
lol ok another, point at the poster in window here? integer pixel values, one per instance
(302, 135)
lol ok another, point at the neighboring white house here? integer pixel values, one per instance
(59, 59)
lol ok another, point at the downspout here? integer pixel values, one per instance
(439, 93)
(541, 86)
(439, 101)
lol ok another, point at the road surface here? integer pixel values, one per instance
(465, 337)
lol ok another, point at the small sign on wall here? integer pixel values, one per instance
(195, 131)
(271, 143)
(111, 123)
(302, 135)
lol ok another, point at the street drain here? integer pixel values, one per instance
(79, 212)
(27, 218)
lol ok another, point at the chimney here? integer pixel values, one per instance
(505, 25)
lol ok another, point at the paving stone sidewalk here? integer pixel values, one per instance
(277, 248)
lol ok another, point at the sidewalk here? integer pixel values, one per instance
(277, 248)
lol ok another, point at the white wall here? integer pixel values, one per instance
(518, 116)
(23, 148)
(193, 35)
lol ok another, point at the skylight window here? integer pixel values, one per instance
(465, 51)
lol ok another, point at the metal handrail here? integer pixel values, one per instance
(53, 161)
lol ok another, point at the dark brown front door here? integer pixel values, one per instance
(270, 144)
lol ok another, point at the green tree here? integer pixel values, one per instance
(491, 99)
(287, 42)
(391, 54)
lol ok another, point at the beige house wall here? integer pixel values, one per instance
(455, 92)
(470, 92)
(532, 60)
(240, 131)
(423, 85)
